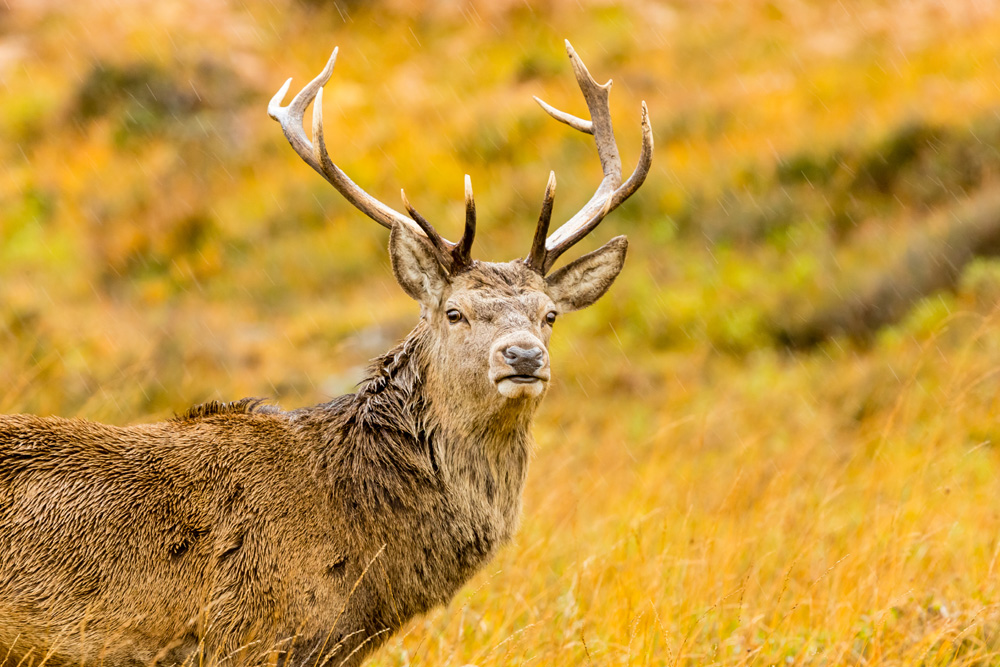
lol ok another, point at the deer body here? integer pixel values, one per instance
(238, 532)
(248, 526)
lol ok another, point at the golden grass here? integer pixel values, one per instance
(698, 496)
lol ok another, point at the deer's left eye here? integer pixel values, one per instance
(454, 316)
(550, 317)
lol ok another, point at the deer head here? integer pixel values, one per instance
(489, 323)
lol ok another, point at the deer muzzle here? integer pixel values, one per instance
(519, 366)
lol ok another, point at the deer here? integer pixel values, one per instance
(242, 533)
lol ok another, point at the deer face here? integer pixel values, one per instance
(491, 323)
(495, 322)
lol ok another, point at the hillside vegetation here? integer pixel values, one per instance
(772, 443)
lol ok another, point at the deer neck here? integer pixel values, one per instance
(476, 448)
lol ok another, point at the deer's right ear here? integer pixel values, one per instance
(415, 266)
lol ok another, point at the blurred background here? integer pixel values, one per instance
(772, 442)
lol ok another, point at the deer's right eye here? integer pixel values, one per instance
(454, 316)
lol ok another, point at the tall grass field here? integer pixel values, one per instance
(774, 442)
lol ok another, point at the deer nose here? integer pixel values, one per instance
(524, 361)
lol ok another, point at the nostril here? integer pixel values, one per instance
(525, 361)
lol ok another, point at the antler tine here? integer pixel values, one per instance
(463, 251)
(314, 154)
(611, 192)
(580, 124)
(442, 248)
(536, 258)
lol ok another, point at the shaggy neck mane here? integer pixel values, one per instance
(435, 501)
(392, 393)
(403, 437)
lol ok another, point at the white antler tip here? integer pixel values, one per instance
(647, 130)
(274, 106)
(328, 70)
(468, 186)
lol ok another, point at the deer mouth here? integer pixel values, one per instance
(521, 385)
(522, 379)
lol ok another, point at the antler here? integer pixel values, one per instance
(454, 257)
(611, 192)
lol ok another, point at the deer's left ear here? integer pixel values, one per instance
(416, 268)
(585, 280)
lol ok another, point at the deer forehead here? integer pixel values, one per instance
(493, 292)
(508, 278)
(521, 310)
